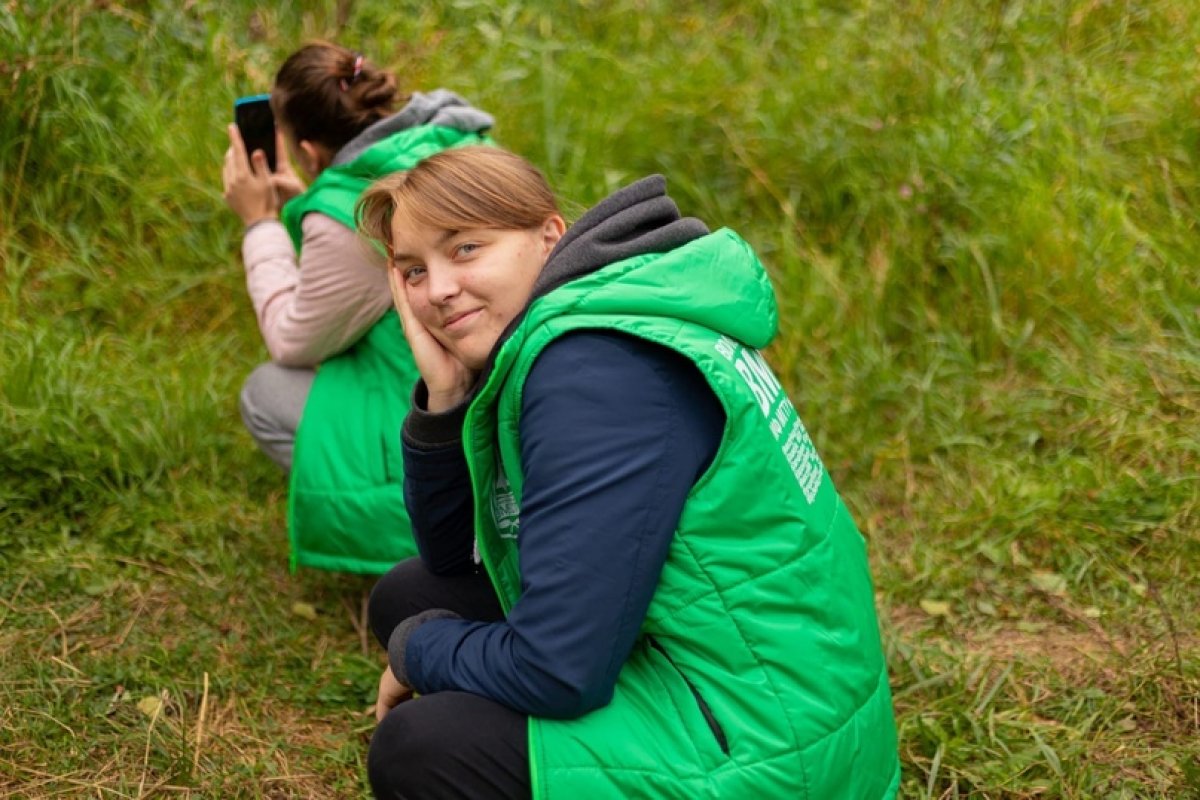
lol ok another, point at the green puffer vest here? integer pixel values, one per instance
(759, 672)
(346, 499)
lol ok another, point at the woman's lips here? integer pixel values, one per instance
(458, 321)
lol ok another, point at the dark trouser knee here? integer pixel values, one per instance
(450, 745)
(410, 588)
(393, 598)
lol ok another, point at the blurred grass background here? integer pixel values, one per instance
(981, 221)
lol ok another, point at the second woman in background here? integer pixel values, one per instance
(329, 404)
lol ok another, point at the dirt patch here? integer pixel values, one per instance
(1068, 647)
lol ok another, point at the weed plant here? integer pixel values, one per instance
(981, 221)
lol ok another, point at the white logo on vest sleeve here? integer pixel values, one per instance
(505, 512)
(784, 423)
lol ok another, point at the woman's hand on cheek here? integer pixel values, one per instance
(446, 378)
(247, 184)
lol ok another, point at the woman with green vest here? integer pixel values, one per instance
(636, 578)
(328, 404)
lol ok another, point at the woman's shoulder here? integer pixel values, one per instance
(329, 240)
(600, 361)
(319, 223)
(600, 390)
(605, 345)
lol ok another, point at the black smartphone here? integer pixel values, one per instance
(257, 125)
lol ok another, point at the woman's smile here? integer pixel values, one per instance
(460, 320)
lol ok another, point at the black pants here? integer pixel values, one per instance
(448, 744)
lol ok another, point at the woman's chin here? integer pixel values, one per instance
(474, 363)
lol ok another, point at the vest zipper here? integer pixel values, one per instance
(713, 725)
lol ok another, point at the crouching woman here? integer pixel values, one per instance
(636, 578)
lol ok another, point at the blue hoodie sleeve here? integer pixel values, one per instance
(437, 487)
(441, 509)
(614, 431)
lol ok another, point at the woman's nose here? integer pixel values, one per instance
(443, 284)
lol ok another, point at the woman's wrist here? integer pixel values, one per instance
(250, 220)
(441, 401)
(425, 429)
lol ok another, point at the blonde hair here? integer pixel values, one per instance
(466, 187)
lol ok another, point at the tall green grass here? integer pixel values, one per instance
(981, 221)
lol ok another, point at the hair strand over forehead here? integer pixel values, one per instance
(461, 188)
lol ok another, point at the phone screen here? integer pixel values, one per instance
(257, 125)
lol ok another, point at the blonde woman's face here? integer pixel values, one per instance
(466, 286)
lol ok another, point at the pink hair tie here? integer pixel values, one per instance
(358, 65)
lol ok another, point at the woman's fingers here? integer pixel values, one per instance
(446, 378)
(236, 144)
(287, 185)
(247, 182)
(420, 340)
(258, 165)
(391, 694)
(399, 299)
(412, 326)
(236, 167)
(228, 171)
(282, 165)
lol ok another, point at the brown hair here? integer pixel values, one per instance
(328, 94)
(466, 187)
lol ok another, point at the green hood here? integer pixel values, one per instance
(714, 281)
(337, 189)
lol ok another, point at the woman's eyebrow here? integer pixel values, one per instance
(441, 240)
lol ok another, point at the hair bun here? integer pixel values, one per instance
(378, 88)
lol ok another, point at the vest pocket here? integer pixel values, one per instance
(714, 726)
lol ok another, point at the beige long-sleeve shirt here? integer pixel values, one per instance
(311, 310)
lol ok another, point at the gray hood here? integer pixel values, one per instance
(638, 219)
(439, 107)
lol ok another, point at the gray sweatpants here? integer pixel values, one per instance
(271, 403)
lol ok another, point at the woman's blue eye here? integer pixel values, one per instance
(467, 248)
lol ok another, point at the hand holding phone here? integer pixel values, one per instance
(257, 187)
(256, 123)
(247, 181)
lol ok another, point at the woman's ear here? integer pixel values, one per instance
(552, 230)
(313, 157)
